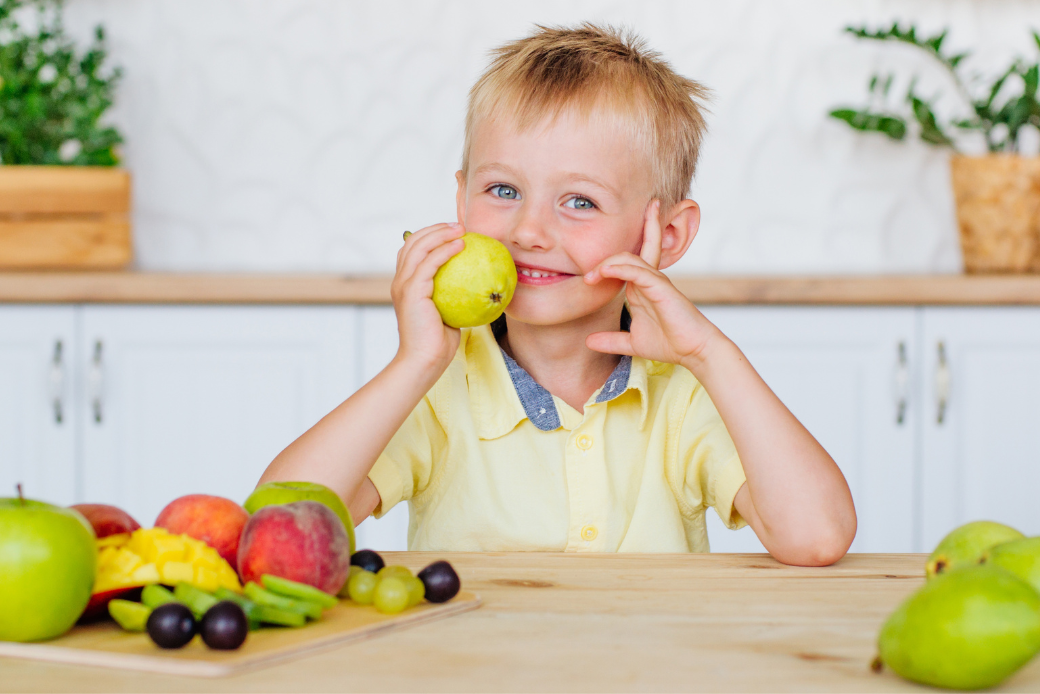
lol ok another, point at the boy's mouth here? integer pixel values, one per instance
(539, 276)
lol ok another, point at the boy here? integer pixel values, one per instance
(554, 430)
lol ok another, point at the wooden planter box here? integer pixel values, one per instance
(64, 217)
(998, 211)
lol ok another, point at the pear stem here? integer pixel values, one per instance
(20, 496)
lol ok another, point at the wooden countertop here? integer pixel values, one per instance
(588, 622)
(166, 288)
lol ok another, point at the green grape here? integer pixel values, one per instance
(397, 571)
(391, 595)
(362, 586)
(416, 590)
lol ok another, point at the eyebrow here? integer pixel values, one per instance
(582, 178)
(570, 178)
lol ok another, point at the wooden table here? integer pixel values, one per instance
(585, 622)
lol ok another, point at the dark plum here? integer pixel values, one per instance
(441, 581)
(367, 560)
(171, 625)
(224, 626)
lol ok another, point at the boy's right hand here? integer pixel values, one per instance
(424, 338)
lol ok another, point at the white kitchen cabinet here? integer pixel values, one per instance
(847, 374)
(981, 447)
(160, 401)
(377, 345)
(38, 421)
(188, 399)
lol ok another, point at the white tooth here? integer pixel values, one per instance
(535, 273)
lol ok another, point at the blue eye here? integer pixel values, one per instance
(504, 191)
(580, 203)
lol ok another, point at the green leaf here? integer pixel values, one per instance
(936, 41)
(891, 125)
(930, 130)
(998, 84)
(1031, 79)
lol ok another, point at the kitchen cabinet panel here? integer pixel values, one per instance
(186, 399)
(37, 420)
(377, 345)
(848, 375)
(981, 453)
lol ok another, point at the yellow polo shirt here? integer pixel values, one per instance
(491, 461)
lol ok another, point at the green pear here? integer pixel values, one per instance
(965, 545)
(476, 284)
(969, 628)
(1020, 557)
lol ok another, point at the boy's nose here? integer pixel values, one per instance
(531, 231)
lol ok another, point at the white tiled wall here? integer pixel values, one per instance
(305, 135)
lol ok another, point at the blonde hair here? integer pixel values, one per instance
(597, 70)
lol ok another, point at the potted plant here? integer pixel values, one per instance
(997, 194)
(63, 201)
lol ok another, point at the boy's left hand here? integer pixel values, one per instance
(666, 326)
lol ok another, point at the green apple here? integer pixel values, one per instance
(476, 284)
(48, 556)
(276, 493)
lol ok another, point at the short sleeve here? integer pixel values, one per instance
(403, 469)
(712, 473)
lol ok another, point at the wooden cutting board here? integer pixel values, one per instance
(105, 644)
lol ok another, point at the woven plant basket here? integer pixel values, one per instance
(998, 211)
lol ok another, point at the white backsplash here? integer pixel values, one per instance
(291, 135)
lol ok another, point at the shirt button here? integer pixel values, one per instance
(589, 533)
(584, 442)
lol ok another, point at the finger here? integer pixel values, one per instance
(642, 277)
(610, 343)
(651, 249)
(405, 245)
(422, 279)
(417, 247)
(626, 258)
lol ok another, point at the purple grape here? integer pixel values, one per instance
(224, 626)
(171, 625)
(441, 581)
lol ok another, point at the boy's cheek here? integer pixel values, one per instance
(480, 221)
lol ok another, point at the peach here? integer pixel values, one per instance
(303, 541)
(107, 520)
(213, 519)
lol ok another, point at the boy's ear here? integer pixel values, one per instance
(678, 231)
(460, 197)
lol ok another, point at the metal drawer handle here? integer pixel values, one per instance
(942, 384)
(902, 383)
(56, 379)
(96, 382)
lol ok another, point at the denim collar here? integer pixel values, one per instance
(538, 403)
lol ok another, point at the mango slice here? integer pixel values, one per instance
(153, 555)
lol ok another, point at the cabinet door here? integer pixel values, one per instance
(377, 346)
(182, 400)
(981, 454)
(37, 424)
(847, 374)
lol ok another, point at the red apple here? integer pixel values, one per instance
(107, 520)
(213, 519)
(303, 541)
